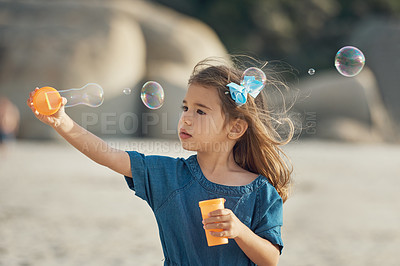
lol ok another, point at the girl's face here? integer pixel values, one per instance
(201, 125)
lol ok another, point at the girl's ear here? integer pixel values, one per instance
(237, 129)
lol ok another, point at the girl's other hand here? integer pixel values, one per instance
(226, 220)
(54, 120)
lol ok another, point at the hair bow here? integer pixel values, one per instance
(250, 86)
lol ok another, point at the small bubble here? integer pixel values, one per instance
(311, 71)
(127, 91)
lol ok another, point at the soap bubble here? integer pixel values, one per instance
(91, 94)
(127, 91)
(349, 61)
(152, 95)
(258, 75)
(311, 71)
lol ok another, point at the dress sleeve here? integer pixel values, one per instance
(271, 219)
(140, 176)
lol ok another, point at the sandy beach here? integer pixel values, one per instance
(59, 208)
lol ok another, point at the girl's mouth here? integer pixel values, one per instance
(184, 135)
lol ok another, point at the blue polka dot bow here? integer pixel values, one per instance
(250, 86)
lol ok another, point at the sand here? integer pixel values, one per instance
(59, 208)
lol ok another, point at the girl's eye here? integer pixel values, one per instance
(200, 112)
(185, 108)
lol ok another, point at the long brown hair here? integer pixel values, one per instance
(258, 149)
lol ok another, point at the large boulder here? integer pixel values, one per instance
(67, 45)
(174, 43)
(117, 44)
(379, 39)
(362, 108)
(341, 108)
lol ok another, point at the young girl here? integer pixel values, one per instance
(237, 158)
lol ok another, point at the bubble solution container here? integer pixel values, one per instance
(47, 100)
(206, 207)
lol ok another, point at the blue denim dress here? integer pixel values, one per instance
(173, 188)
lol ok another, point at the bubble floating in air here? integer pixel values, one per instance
(349, 61)
(127, 91)
(152, 95)
(311, 71)
(258, 75)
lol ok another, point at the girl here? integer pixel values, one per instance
(237, 158)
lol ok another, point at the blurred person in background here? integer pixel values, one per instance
(9, 121)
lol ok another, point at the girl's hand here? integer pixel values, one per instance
(54, 120)
(226, 220)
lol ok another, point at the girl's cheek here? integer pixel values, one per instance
(180, 121)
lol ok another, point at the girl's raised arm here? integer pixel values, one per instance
(84, 141)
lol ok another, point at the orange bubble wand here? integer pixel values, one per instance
(47, 100)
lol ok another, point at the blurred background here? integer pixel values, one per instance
(59, 208)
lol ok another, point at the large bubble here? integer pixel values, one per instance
(258, 75)
(349, 61)
(152, 95)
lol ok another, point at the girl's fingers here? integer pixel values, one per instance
(30, 100)
(220, 212)
(30, 105)
(63, 101)
(220, 234)
(216, 226)
(216, 219)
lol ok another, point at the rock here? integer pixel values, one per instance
(67, 45)
(341, 108)
(363, 108)
(379, 39)
(117, 44)
(347, 129)
(175, 44)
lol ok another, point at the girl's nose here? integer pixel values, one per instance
(188, 122)
(187, 119)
